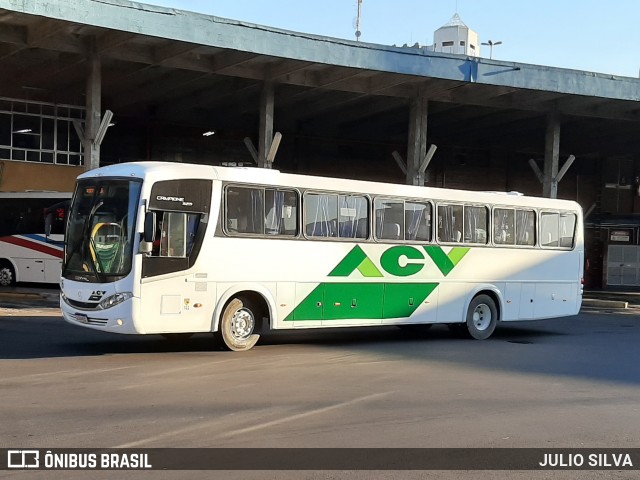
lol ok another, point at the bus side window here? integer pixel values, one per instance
(525, 227)
(567, 229)
(55, 218)
(417, 221)
(281, 216)
(175, 234)
(30, 220)
(389, 219)
(353, 216)
(549, 229)
(321, 215)
(504, 226)
(244, 210)
(450, 223)
(475, 228)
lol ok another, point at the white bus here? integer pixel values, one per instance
(31, 236)
(164, 248)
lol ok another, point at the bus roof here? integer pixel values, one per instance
(167, 170)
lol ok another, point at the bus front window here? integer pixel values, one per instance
(100, 232)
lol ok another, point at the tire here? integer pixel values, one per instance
(238, 325)
(482, 317)
(7, 275)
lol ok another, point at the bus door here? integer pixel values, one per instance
(172, 291)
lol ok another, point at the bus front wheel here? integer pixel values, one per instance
(238, 325)
(7, 274)
(482, 317)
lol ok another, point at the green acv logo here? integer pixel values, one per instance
(414, 257)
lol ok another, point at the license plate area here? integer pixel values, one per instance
(81, 317)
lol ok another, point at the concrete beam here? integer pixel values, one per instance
(266, 124)
(417, 141)
(93, 105)
(230, 34)
(551, 156)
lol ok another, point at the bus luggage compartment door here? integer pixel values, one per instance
(352, 303)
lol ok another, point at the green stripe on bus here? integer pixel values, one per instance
(342, 301)
(446, 262)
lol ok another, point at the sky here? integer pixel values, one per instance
(592, 35)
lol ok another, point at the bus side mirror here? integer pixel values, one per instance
(146, 244)
(48, 221)
(150, 227)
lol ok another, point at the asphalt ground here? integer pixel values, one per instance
(559, 383)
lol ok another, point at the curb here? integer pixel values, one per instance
(592, 302)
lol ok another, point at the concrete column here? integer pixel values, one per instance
(551, 156)
(93, 98)
(417, 142)
(266, 124)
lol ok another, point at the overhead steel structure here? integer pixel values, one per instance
(142, 61)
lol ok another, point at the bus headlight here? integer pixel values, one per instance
(114, 300)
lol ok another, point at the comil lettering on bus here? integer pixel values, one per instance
(162, 198)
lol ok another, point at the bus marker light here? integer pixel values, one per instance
(119, 322)
(197, 305)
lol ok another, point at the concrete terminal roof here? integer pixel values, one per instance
(199, 68)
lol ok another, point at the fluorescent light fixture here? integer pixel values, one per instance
(208, 133)
(24, 130)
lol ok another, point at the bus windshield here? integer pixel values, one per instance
(99, 237)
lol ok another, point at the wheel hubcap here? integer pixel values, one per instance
(5, 277)
(482, 317)
(242, 324)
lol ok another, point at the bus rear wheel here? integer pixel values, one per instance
(482, 317)
(239, 324)
(7, 275)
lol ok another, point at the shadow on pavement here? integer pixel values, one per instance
(585, 346)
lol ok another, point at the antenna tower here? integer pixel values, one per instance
(359, 20)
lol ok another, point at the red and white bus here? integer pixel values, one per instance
(32, 228)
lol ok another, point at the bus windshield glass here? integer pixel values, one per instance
(99, 237)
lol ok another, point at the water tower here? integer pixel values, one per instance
(456, 37)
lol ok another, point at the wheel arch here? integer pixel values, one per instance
(8, 261)
(256, 293)
(492, 292)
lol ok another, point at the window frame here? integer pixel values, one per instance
(559, 213)
(465, 205)
(515, 210)
(403, 229)
(223, 217)
(337, 238)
